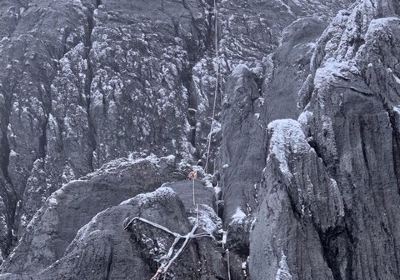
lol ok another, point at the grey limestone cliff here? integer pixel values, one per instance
(288, 111)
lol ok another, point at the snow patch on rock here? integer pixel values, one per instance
(305, 117)
(285, 134)
(239, 70)
(129, 161)
(330, 70)
(380, 23)
(396, 109)
(148, 198)
(208, 219)
(238, 217)
(283, 272)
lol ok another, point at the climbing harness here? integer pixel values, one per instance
(216, 87)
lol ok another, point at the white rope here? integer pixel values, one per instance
(197, 214)
(152, 224)
(187, 239)
(216, 86)
(229, 265)
(194, 199)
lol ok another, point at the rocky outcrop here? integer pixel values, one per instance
(251, 103)
(331, 184)
(288, 68)
(85, 82)
(104, 249)
(313, 196)
(55, 225)
(300, 201)
(249, 31)
(241, 148)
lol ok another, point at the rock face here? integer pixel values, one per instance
(102, 249)
(329, 209)
(89, 81)
(289, 112)
(192, 193)
(86, 82)
(300, 200)
(251, 103)
(55, 225)
(242, 144)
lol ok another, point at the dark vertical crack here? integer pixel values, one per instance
(329, 240)
(338, 245)
(396, 164)
(89, 79)
(395, 146)
(43, 138)
(7, 190)
(109, 264)
(351, 244)
(196, 46)
(45, 95)
(363, 133)
(192, 104)
(5, 147)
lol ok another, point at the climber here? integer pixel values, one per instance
(192, 175)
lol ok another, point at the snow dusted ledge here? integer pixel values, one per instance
(286, 136)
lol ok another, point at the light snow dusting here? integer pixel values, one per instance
(239, 70)
(305, 117)
(329, 71)
(208, 219)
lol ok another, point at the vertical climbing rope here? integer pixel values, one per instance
(197, 214)
(216, 87)
(229, 265)
(194, 199)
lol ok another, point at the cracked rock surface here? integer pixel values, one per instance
(103, 249)
(287, 112)
(331, 181)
